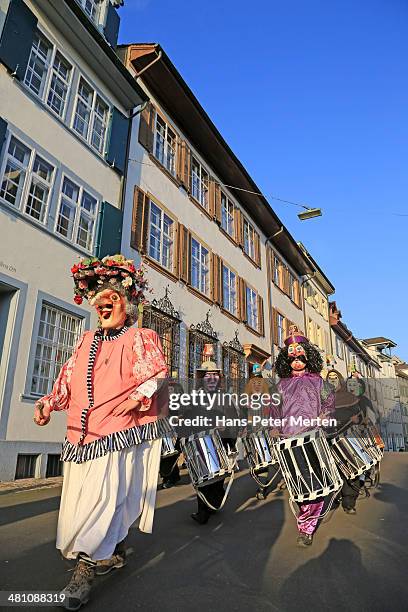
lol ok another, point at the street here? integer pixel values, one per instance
(244, 558)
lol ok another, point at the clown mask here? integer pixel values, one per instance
(111, 308)
(297, 357)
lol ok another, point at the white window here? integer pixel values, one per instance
(200, 276)
(48, 74)
(291, 286)
(276, 264)
(91, 8)
(76, 214)
(199, 183)
(229, 290)
(252, 308)
(280, 324)
(161, 236)
(91, 116)
(27, 180)
(57, 335)
(165, 145)
(227, 215)
(249, 239)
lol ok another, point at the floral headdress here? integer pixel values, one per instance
(91, 273)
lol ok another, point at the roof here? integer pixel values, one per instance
(320, 275)
(380, 342)
(94, 49)
(166, 84)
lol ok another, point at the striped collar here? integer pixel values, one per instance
(112, 334)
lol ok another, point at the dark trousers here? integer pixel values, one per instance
(214, 492)
(349, 492)
(169, 469)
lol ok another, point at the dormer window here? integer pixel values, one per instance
(91, 8)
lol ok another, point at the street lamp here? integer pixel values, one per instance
(310, 213)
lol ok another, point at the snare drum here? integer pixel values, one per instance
(169, 446)
(206, 458)
(308, 466)
(366, 436)
(259, 451)
(351, 454)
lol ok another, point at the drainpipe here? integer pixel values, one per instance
(270, 281)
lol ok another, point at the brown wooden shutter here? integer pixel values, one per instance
(275, 326)
(176, 247)
(183, 164)
(242, 299)
(257, 249)
(146, 127)
(140, 220)
(217, 279)
(185, 254)
(239, 228)
(217, 203)
(261, 322)
(211, 196)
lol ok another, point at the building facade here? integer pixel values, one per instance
(66, 100)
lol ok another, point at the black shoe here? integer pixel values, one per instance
(200, 517)
(350, 510)
(304, 540)
(167, 484)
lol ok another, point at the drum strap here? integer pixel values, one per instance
(203, 498)
(325, 513)
(265, 485)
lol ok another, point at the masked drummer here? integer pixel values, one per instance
(209, 378)
(304, 396)
(110, 389)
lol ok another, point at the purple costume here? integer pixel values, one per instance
(304, 395)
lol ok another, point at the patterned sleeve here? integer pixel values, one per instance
(58, 399)
(149, 367)
(327, 397)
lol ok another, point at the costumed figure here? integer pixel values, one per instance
(112, 390)
(304, 396)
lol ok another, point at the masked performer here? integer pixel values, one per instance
(115, 419)
(304, 395)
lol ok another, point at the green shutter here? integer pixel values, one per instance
(118, 138)
(17, 38)
(109, 230)
(112, 26)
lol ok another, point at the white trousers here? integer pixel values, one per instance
(102, 498)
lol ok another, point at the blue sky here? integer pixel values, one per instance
(313, 98)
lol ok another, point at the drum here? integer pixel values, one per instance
(206, 458)
(308, 466)
(258, 449)
(367, 437)
(351, 454)
(169, 446)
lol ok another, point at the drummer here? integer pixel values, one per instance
(209, 378)
(169, 469)
(304, 395)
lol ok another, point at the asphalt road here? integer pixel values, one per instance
(245, 558)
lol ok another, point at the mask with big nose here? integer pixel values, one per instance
(111, 308)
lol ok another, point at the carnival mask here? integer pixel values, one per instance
(297, 357)
(211, 381)
(111, 308)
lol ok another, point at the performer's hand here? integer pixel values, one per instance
(42, 414)
(126, 406)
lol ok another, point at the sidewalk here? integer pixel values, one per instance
(29, 483)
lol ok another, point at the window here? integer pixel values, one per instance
(276, 265)
(161, 236)
(27, 179)
(280, 324)
(57, 334)
(227, 215)
(291, 286)
(200, 267)
(76, 214)
(229, 290)
(25, 467)
(252, 308)
(91, 8)
(165, 145)
(48, 74)
(91, 116)
(54, 466)
(199, 183)
(249, 239)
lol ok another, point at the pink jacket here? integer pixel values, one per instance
(121, 367)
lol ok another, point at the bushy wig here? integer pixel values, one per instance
(314, 361)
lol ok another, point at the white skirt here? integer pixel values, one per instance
(103, 497)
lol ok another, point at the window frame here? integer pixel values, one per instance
(254, 292)
(202, 169)
(166, 146)
(251, 240)
(202, 246)
(43, 96)
(75, 227)
(96, 19)
(164, 211)
(25, 190)
(96, 94)
(228, 202)
(231, 271)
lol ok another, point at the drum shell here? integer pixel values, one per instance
(206, 458)
(351, 455)
(308, 466)
(259, 450)
(169, 446)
